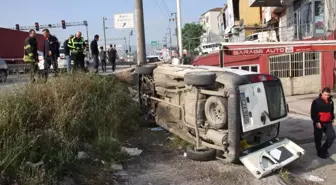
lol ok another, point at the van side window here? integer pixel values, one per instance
(255, 37)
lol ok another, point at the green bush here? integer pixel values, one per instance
(49, 123)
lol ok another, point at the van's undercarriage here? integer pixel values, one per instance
(204, 108)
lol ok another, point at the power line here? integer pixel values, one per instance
(162, 12)
(165, 6)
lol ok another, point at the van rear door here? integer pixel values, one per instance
(262, 103)
(271, 156)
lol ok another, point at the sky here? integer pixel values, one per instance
(156, 15)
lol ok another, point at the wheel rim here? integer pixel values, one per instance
(217, 113)
(145, 89)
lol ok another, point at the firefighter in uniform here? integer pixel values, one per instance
(30, 54)
(77, 47)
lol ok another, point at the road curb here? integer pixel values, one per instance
(299, 113)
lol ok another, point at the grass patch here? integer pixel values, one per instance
(44, 126)
(285, 175)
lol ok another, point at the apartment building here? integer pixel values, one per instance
(308, 22)
(237, 20)
(209, 22)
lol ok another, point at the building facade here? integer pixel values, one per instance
(237, 18)
(293, 20)
(209, 21)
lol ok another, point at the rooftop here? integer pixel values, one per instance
(213, 10)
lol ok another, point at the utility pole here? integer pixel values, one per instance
(165, 40)
(104, 29)
(179, 27)
(140, 30)
(125, 44)
(174, 19)
(170, 37)
(129, 41)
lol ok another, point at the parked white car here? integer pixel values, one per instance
(62, 64)
(269, 36)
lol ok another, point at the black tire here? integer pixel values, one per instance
(3, 76)
(216, 112)
(145, 70)
(201, 78)
(204, 155)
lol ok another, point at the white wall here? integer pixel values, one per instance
(286, 24)
(211, 27)
(330, 14)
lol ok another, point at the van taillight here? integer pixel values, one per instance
(261, 78)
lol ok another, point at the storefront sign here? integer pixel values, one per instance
(275, 50)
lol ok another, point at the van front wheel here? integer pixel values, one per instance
(200, 155)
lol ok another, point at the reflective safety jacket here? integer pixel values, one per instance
(76, 45)
(30, 50)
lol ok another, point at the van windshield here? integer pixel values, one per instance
(275, 99)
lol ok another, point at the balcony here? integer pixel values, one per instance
(266, 3)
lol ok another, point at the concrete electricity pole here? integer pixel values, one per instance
(179, 27)
(170, 37)
(140, 30)
(175, 20)
(104, 29)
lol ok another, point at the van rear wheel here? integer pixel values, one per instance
(200, 155)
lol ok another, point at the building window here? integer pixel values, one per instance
(319, 17)
(224, 21)
(236, 10)
(252, 68)
(246, 68)
(308, 19)
(295, 64)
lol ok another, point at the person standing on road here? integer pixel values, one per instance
(67, 52)
(186, 60)
(95, 52)
(77, 47)
(50, 53)
(112, 55)
(322, 114)
(30, 54)
(103, 56)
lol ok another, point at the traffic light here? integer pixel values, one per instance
(129, 49)
(131, 33)
(37, 26)
(63, 24)
(17, 27)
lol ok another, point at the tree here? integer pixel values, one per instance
(191, 34)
